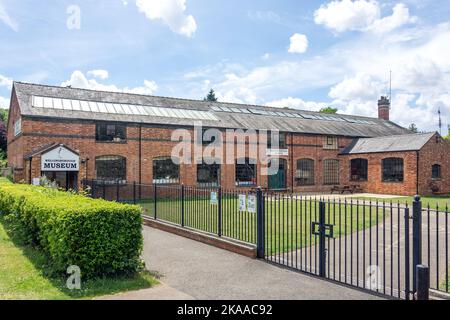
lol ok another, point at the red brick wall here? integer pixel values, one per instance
(16, 148)
(80, 136)
(436, 151)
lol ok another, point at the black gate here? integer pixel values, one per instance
(369, 245)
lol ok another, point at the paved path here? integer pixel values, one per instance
(205, 272)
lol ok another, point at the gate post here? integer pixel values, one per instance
(260, 250)
(423, 282)
(155, 196)
(417, 238)
(322, 235)
(219, 209)
(182, 205)
(407, 262)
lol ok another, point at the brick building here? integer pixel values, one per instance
(72, 134)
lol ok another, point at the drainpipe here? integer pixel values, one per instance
(31, 179)
(140, 157)
(417, 173)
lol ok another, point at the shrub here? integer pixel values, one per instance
(102, 238)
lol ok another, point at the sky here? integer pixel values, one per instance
(284, 53)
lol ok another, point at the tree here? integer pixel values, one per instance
(448, 136)
(211, 97)
(3, 139)
(4, 115)
(329, 110)
(413, 128)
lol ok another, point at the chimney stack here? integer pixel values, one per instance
(384, 106)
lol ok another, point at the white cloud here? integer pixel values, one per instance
(7, 20)
(361, 15)
(347, 14)
(172, 12)
(296, 103)
(400, 16)
(100, 74)
(4, 103)
(362, 86)
(299, 43)
(79, 80)
(5, 82)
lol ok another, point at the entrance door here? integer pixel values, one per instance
(278, 180)
(67, 180)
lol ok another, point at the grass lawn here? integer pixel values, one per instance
(23, 277)
(441, 202)
(288, 221)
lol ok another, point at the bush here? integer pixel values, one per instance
(102, 238)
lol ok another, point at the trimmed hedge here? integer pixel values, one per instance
(101, 237)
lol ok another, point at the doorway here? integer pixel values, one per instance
(277, 181)
(67, 180)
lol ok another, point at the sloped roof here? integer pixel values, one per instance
(303, 122)
(409, 142)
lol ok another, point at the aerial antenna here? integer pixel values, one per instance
(390, 87)
(440, 121)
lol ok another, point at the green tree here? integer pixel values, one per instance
(448, 136)
(211, 96)
(413, 128)
(329, 110)
(4, 115)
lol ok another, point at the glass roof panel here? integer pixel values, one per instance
(48, 103)
(67, 105)
(38, 102)
(102, 107)
(93, 106)
(76, 105)
(57, 104)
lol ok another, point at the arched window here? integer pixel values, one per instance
(393, 170)
(331, 171)
(305, 172)
(165, 171)
(359, 170)
(111, 168)
(436, 172)
(245, 172)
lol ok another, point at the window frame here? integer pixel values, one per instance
(119, 137)
(282, 141)
(209, 184)
(439, 171)
(310, 168)
(365, 177)
(383, 170)
(248, 163)
(336, 175)
(165, 181)
(121, 179)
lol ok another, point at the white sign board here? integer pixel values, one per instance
(36, 181)
(242, 202)
(60, 159)
(277, 152)
(214, 199)
(252, 203)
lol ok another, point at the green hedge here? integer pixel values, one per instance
(102, 238)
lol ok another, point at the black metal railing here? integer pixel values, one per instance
(367, 244)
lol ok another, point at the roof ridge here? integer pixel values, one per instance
(210, 103)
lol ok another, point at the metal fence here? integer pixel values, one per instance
(367, 244)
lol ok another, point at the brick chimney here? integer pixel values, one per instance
(384, 106)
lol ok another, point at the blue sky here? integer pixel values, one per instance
(300, 54)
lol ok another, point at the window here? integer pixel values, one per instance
(208, 175)
(108, 132)
(111, 168)
(165, 171)
(18, 127)
(359, 170)
(209, 136)
(436, 172)
(245, 172)
(281, 137)
(305, 172)
(393, 170)
(330, 143)
(331, 172)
